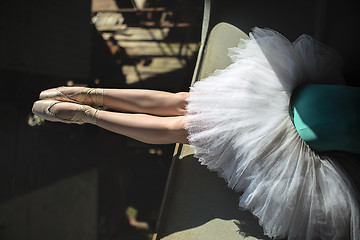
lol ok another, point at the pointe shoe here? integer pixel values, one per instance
(89, 96)
(84, 114)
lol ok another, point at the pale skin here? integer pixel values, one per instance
(149, 116)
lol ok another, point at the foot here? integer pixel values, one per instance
(81, 95)
(56, 111)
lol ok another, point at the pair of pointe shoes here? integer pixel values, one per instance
(74, 99)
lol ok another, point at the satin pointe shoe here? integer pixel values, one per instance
(88, 96)
(83, 113)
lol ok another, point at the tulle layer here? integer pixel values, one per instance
(239, 121)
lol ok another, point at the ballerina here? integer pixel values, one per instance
(272, 124)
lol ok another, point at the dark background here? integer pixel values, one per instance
(45, 44)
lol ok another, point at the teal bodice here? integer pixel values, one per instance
(327, 117)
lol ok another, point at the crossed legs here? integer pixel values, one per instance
(149, 116)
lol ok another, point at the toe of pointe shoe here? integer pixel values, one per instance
(55, 94)
(52, 93)
(41, 109)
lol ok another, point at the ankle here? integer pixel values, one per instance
(91, 96)
(87, 114)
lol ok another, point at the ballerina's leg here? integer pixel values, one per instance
(127, 100)
(145, 128)
(146, 101)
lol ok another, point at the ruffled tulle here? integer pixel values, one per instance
(238, 119)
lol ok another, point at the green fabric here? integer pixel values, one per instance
(327, 117)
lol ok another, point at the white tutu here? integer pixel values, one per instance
(238, 119)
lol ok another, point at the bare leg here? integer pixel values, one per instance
(146, 101)
(142, 127)
(145, 128)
